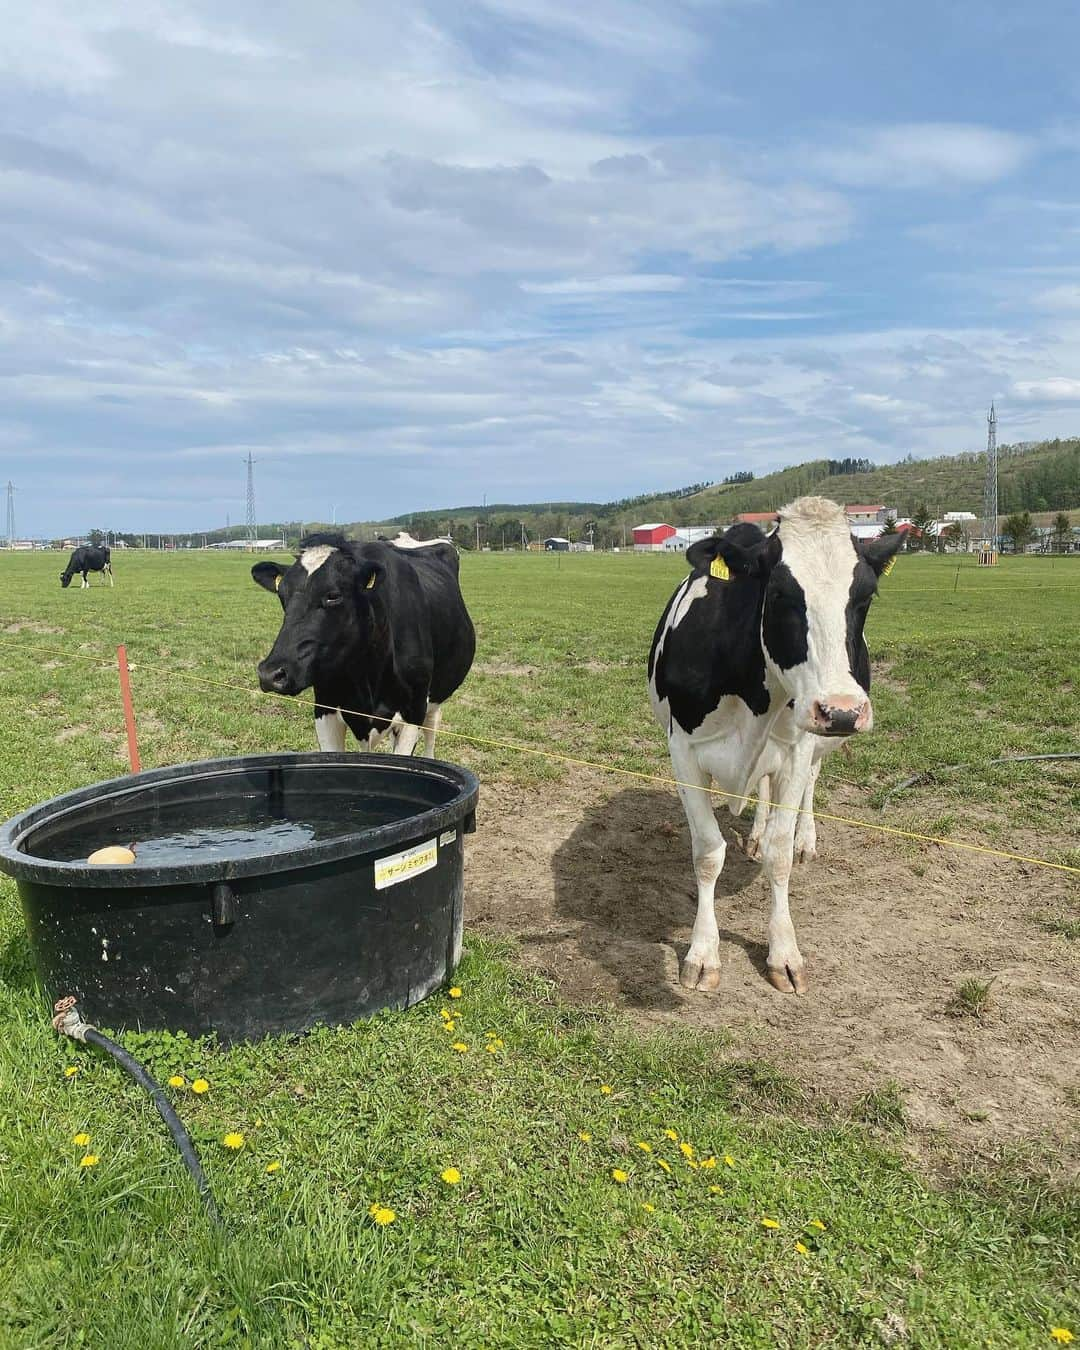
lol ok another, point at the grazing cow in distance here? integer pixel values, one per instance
(379, 631)
(88, 558)
(758, 668)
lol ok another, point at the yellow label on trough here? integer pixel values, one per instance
(401, 866)
(720, 569)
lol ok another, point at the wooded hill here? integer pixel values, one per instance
(1041, 476)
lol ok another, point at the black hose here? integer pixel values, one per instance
(69, 1023)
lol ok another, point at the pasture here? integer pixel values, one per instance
(889, 1161)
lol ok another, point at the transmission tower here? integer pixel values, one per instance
(251, 499)
(988, 555)
(10, 514)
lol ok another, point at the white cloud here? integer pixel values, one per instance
(1056, 390)
(922, 154)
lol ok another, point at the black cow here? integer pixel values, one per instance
(88, 558)
(757, 670)
(380, 632)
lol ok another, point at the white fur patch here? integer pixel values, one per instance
(405, 540)
(313, 558)
(693, 590)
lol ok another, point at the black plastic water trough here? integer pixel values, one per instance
(269, 894)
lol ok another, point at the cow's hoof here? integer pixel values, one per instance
(788, 979)
(697, 975)
(805, 853)
(752, 846)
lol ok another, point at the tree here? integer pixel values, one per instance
(922, 522)
(1062, 531)
(890, 525)
(1019, 529)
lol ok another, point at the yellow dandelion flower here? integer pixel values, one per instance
(816, 1223)
(455, 992)
(802, 1249)
(729, 1161)
(769, 1223)
(274, 1166)
(82, 1139)
(671, 1134)
(492, 1049)
(444, 1013)
(258, 1122)
(649, 1209)
(234, 1139)
(687, 1150)
(606, 1089)
(645, 1148)
(449, 1025)
(451, 1176)
(708, 1163)
(460, 1047)
(374, 1208)
(716, 1190)
(1061, 1334)
(691, 1163)
(177, 1080)
(383, 1216)
(620, 1176)
(585, 1136)
(200, 1086)
(663, 1162)
(90, 1160)
(71, 1071)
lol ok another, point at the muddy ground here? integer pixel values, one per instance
(593, 878)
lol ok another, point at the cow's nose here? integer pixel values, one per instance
(273, 679)
(840, 715)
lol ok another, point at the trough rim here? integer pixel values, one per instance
(373, 840)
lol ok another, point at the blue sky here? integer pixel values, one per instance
(410, 255)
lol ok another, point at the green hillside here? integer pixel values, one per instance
(1035, 477)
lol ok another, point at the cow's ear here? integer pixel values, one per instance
(268, 575)
(369, 574)
(721, 555)
(879, 552)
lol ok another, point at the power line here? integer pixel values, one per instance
(10, 514)
(251, 498)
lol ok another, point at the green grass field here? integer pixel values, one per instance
(539, 1243)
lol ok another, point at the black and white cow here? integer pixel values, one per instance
(380, 631)
(757, 670)
(88, 558)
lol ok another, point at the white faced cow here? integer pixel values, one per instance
(758, 668)
(381, 633)
(88, 558)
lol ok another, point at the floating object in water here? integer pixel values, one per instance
(114, 855)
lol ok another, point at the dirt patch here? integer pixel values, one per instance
(27, 626)
(503, 668)
(594, 879)
(69, 733)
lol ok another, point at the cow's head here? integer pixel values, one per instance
(65, 579)
(818, 584)
(327, 596)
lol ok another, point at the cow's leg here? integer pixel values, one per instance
(85, 583)
(786, 967)
(109, 570)
(805, 829)
(761, 817)
(404, 742)
(330, 730)
(701, 966)
(431, 726)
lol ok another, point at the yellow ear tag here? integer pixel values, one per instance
(371, 582)
(277, 582)
(888, 567)
(720, 569)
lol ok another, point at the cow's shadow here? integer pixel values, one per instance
(625, 879)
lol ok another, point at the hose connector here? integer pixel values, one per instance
(67, 1020)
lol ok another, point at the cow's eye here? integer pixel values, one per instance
(331, 600)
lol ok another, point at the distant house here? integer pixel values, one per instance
(860, 514)
(556, 544)
(686, 535)
(650, 538)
